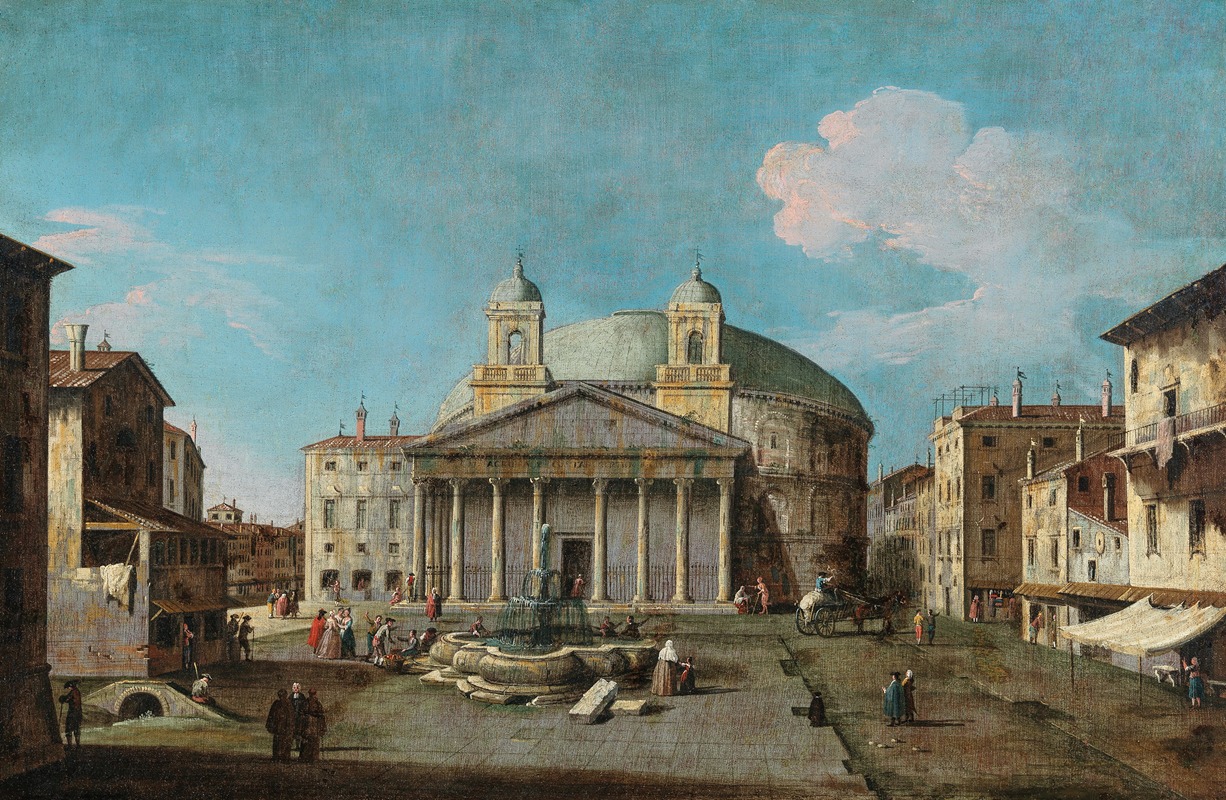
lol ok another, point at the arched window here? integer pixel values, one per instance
(1134, 376)
(515, 348)
(693, 348)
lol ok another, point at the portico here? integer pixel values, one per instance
(599, 468)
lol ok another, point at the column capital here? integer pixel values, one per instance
(498, 483)
(683, 483)
(600, 485)
(726, 483)
(457, 484)
(425, 482)
(643, 483)
(540, 481)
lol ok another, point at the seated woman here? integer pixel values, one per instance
(427, 640)
(607, 629)
(741, 601)
(396, 597)
(478, 628)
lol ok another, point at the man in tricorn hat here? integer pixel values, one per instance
(200, 690)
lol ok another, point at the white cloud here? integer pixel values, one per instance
(905, 169)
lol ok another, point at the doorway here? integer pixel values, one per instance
(576, 562)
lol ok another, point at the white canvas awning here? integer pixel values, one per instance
(1143, 630)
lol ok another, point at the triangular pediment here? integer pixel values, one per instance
(578, 417)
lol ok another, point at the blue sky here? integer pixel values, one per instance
(284, 205)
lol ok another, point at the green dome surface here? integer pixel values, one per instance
(627, 346)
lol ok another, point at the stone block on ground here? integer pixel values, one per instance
(594, 702)
(629, 708)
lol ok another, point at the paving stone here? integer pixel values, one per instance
(594, 702)
(630, 708)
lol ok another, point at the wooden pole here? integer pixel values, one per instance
(1072, 680)
(1140, 680)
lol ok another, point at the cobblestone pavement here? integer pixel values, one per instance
(997, 719)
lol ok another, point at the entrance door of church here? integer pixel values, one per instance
(576, 561)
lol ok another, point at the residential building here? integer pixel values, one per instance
(362, 494)
(32, 737)
(260, 557)
(674, 456)
(981, 453)
(182, 472)
(895, 530)
(135, 570)
(1175, 452)
(1074, 543)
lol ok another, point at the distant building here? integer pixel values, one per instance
(27, 705)
(119, 560)
(182, 472)
(360, 533)
(260, 557)
(895, 530)
(980, 455)
(1074, 542)
(1175, 453)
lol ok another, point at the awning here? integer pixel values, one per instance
(1143, 630)
(1048, 591)
(191, 606)
(1130, 594)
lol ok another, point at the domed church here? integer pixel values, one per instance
(673, 456)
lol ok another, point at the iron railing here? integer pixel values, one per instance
(620, 582)
(1191, 422)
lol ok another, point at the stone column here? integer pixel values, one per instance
(599, 540)
(498, 576)
(457, 539)
(538, 519)
(419, 538)
(682, 572)
(427, 578)
(725, 539)
(644, 561)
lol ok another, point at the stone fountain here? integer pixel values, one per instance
(542, 650)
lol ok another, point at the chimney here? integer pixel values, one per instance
(995, 401)
(1017, 395)
(880, 470)
(1079, 442)
(1030, 462)
(193, 430)
(1107, 396)
(76, 346)
(393, 424)
(361, 415)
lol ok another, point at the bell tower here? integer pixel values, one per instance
(695, 383)
(514, 367)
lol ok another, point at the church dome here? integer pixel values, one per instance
(695, 290)
(516, 289)
(626, 347)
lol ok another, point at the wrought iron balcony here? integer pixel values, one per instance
(1192, 423)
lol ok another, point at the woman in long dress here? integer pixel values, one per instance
(908, 696)
(349, 642)
(664, 679)
(330, 643)
(283, 605)
(317, 630)
(434, 605)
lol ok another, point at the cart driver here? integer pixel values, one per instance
(823, 582)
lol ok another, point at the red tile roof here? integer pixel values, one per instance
(97, 364)
(367, 443)
(173, 428)
(1047, 413)
(154, 518)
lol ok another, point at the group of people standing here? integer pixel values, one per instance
(332, 636)
(672, 675)
(925, 625)
(296, 717)
(238, 637)
(899, 703)
(283, 604)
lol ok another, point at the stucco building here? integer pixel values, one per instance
(1074, 542)
(980, 455)
(896, 527)
(260, 557)
(125, 573)
(182, 472)
(27, 706)
(1175, 398)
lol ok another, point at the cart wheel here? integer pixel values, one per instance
(803, 624)
(825, 622)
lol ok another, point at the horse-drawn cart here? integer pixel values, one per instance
(819, 612)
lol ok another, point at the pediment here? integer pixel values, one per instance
(578, 417)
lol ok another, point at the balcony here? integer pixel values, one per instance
(496, 373)
(1193, 423)
(692, 373)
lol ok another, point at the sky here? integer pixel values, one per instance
(285, 206)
